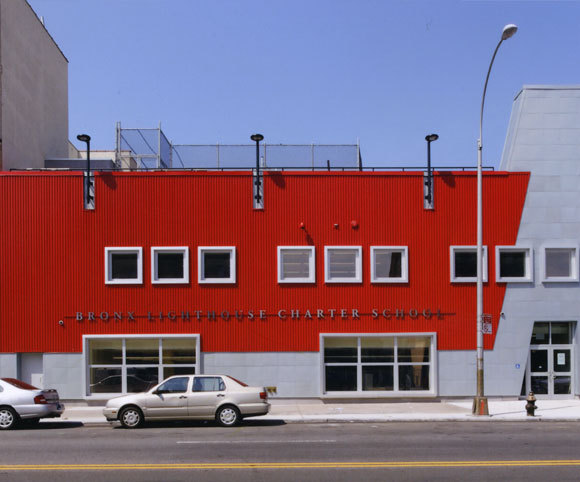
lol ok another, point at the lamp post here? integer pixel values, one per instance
(87, 139)
(257, 138)
(429, 138)
(480, 401)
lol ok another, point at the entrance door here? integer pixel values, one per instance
(550, 363)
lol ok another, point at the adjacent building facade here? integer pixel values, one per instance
(33, 90)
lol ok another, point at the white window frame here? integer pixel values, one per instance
(155, 250)
(528, 264)
(573, 278)
(358, 265)
(404, 278)
(201, 250)
(85, 379)
(311, 278)
(109, 250)
(395, 393)
(470, 279)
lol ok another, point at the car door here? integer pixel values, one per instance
(170, 399)
(207, 393)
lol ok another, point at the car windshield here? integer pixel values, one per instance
(19, 384)
(237, 381)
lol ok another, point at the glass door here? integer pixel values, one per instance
(550, 362)
(539, 370)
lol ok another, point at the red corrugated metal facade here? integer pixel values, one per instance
(52, 255)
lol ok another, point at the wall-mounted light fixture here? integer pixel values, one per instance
(257, 181)
(429, 196)
(88, 199)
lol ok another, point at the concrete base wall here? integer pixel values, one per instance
(8, 365)
(64, 371)
(295, 374)
(456, 373)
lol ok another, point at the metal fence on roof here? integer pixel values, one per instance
(150, 149)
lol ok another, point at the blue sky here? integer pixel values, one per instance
(322, 71)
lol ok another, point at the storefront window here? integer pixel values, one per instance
(378, 350)
(141, 379)
(377, 378)
(340, 378)
(340, 350)
(413, 349)
(142, 351)
(106, 352)
(135, 364)
(178, 351)
(414, 377)
(105, 380)
(377, 363)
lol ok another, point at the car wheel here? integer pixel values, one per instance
(228, 416)
(131, 417)
(8, 418)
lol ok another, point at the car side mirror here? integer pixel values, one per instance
(158, 392)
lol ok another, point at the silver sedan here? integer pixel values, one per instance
(190, 397)
(21, 402)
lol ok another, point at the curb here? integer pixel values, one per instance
(482, 419)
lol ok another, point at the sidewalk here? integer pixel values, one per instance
(318, 411)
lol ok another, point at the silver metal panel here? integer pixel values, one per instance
(543, 138)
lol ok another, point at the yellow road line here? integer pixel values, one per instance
(298, 465)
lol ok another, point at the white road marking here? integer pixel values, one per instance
(206, 442)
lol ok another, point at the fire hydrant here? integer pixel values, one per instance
(530, 405)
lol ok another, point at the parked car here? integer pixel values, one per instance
(21, 402)
(190, 397)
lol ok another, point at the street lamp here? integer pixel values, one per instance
(429, 138)
(87, 139)
(257, 138)
(480, 401)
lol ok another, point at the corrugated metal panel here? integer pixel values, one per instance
(52, 254)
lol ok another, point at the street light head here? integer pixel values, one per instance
(509, 31)
(84, 137)
(431, 137)
(257, 137)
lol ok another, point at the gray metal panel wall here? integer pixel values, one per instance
(295, 374)
(8, 365)
(543, 138)
(64, 371)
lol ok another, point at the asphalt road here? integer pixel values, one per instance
(259, 451)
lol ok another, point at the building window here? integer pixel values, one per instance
(560, 264)
(393, 364)
(170, 264)
(123, 265)
(514, 264)
(464, 264)
(216, 264)
(389, 264)
(136, 364)
(343, 264)
(296, 264)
